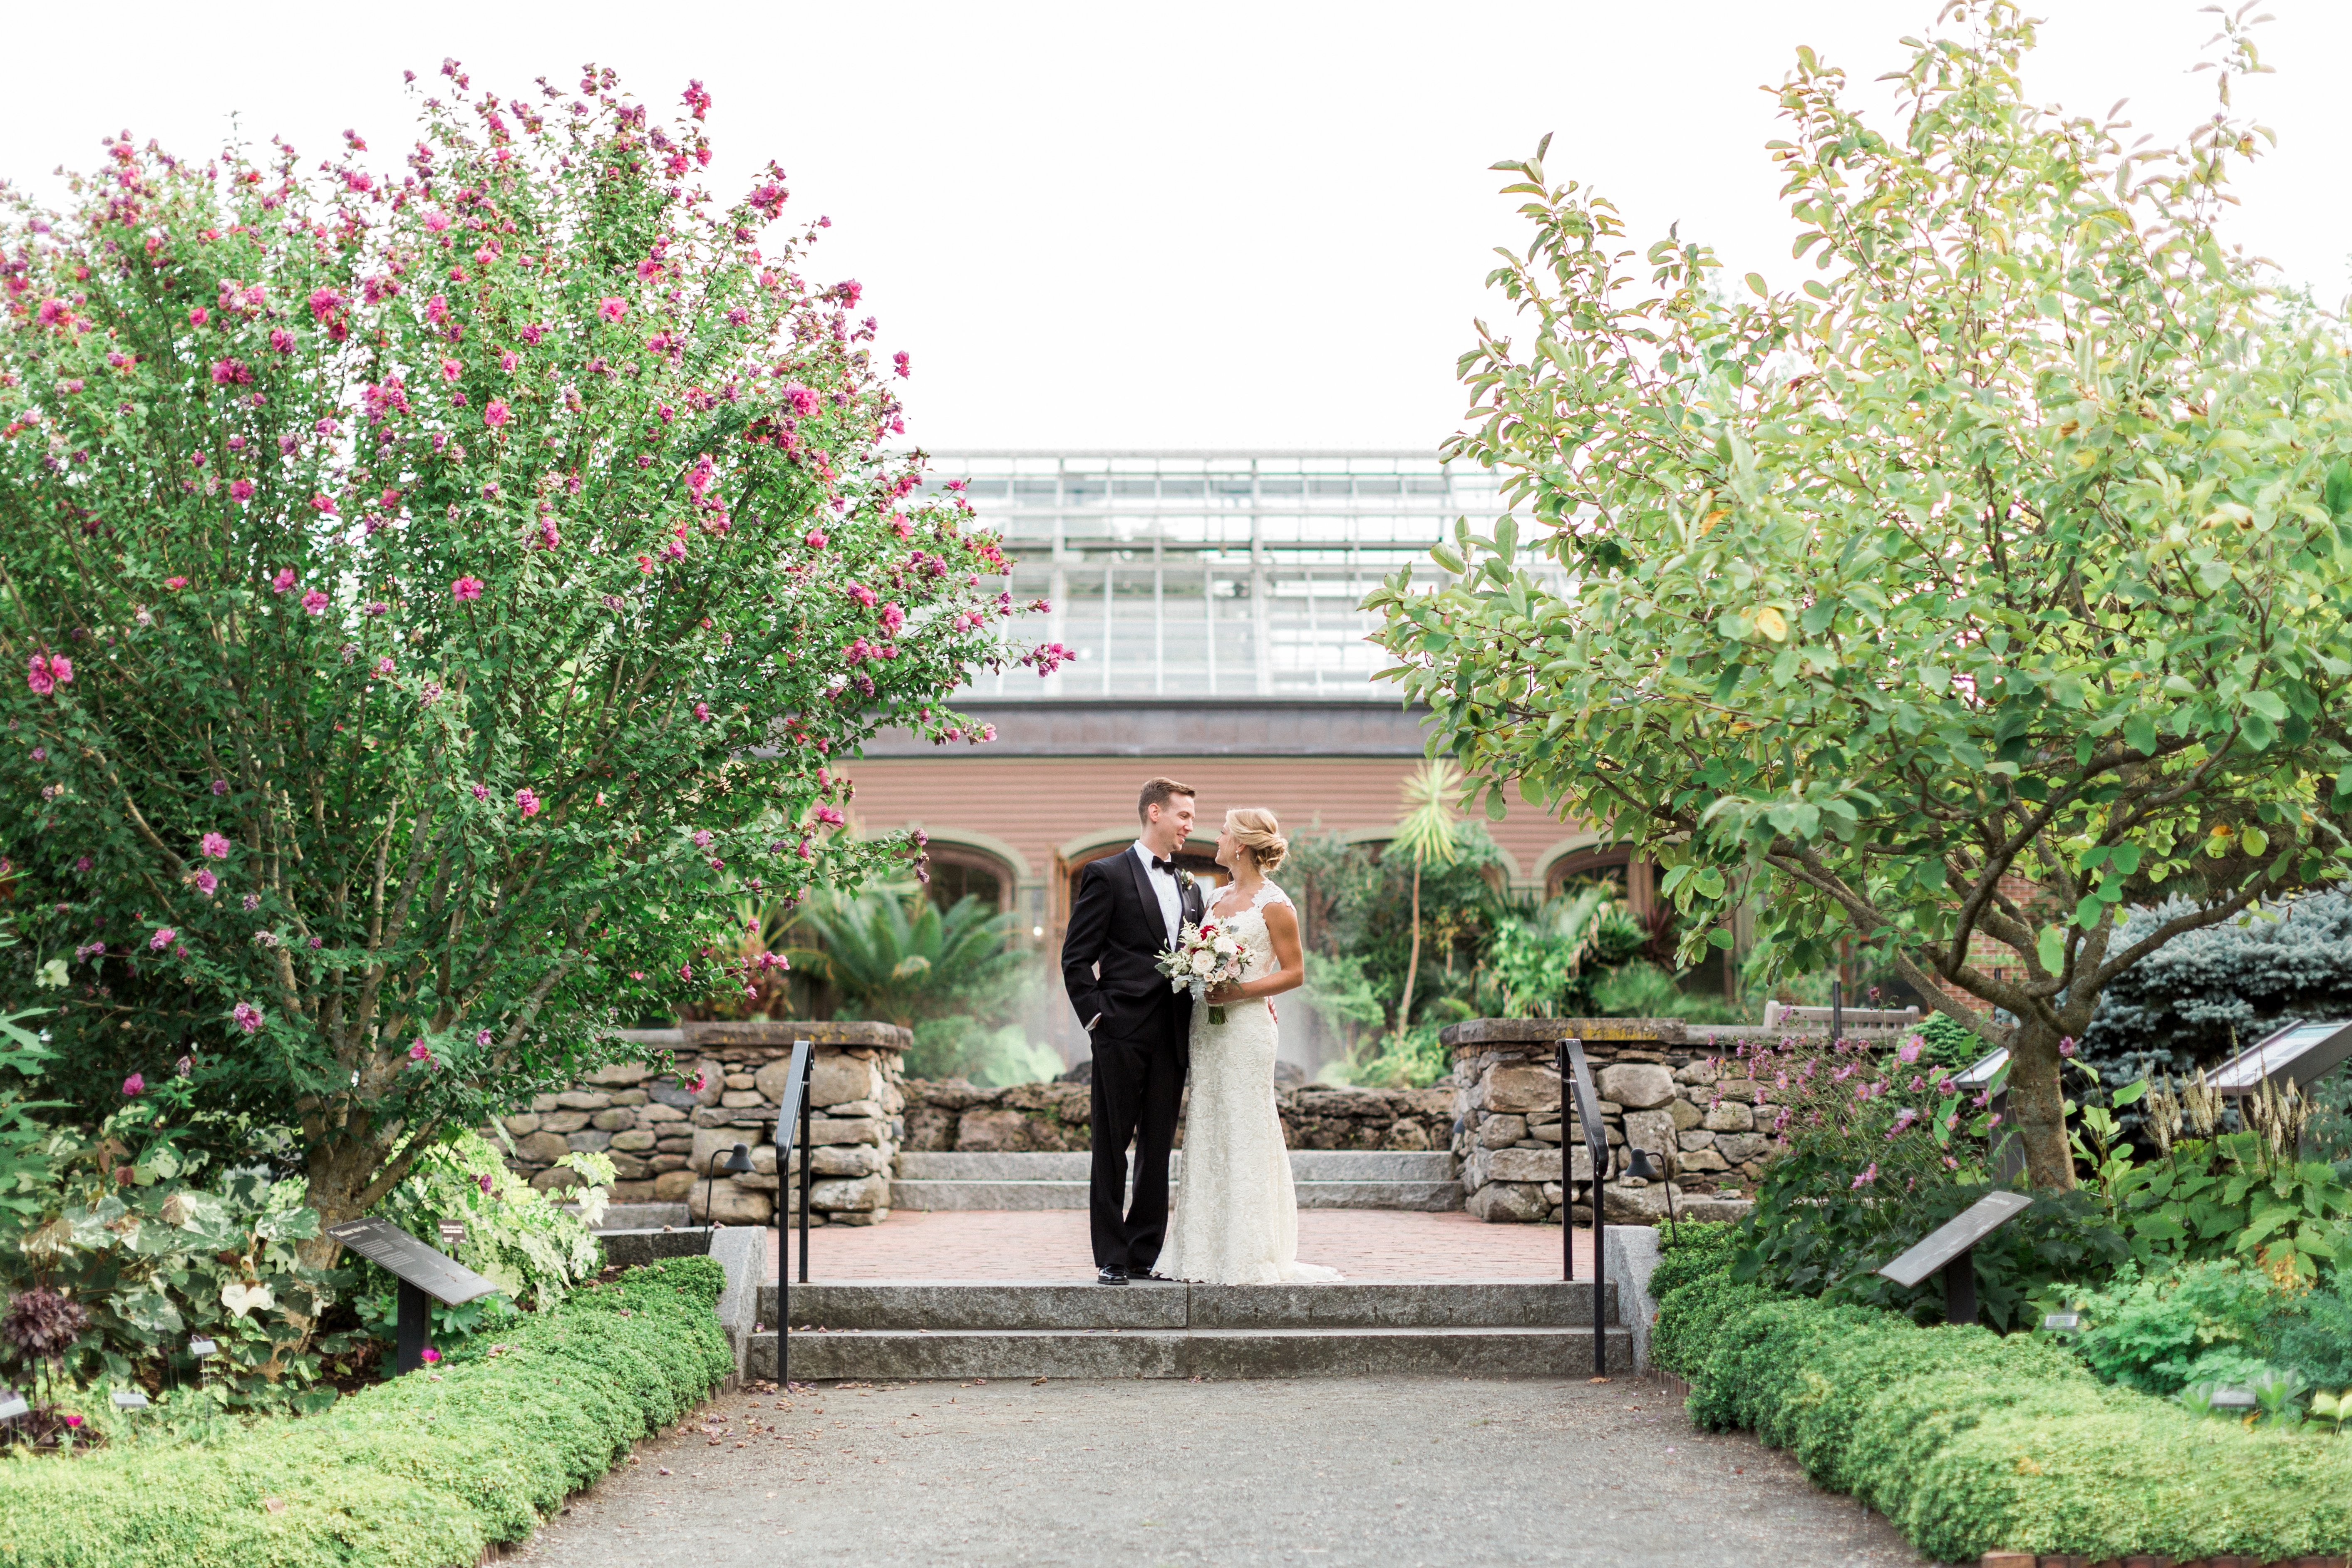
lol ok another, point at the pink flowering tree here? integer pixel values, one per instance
(439, 599)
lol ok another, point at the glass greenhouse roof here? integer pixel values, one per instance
(1211, 574)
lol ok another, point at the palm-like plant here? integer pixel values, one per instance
(1431, 833)
(902, 959)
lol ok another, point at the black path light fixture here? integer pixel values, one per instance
(1642, 1168)
(739, 1164)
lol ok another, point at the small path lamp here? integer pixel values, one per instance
(1644, 1169)
(739, 1164)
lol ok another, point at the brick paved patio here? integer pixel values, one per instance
(1051, 1244)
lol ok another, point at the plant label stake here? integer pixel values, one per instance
(421, 1272)
(1952, 1247)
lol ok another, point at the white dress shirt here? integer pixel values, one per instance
(1172, 902)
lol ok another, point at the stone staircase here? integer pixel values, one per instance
(892, 1332)
(1326, 1179)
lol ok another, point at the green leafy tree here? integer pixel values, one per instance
(1987, 586)
(440, 596)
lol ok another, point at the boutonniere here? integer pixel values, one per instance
(1186, 881)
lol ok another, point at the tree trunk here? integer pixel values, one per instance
(1412, 963)
(2037, 1106)
(340, 1173)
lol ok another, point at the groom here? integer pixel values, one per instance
(1130, 907)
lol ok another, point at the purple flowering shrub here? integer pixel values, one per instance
(1879, 1146)
(440, 595)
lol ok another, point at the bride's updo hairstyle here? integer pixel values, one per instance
(1260, 833)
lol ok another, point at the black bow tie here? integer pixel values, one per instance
(1166, 865)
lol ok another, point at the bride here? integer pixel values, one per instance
(1236, 1219)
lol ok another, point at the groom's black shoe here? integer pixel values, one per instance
(1110, 1274)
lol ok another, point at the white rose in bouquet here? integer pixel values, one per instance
(1204, 962)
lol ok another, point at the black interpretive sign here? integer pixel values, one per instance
(1956, 1236)
(401, 1255)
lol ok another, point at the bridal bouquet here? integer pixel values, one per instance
(1204, 955)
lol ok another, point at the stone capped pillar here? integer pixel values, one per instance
(855, 1132)
(1654, 1092)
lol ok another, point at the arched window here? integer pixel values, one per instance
(958, 872)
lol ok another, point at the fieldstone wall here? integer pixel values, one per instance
(953, 1115)
(663, 1136)
(1657, 1089)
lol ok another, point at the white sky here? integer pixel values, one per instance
(1257, 225)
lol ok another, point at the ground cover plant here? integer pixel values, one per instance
(1970, 1441)
(2007, 552)
(436, 595)
(424, 1471)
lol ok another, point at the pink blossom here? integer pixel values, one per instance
(430, 694)
(420, 1051)
(175, 584)
(134, 1085)
(324, 303)
(829, 816)
(231, 372)
(238, 489)
(496, 414)
(849, 291)
(485, 1179)
(2067, 1047)
(863, 594)
(429, 1356)
(383, 666)
(436, 221)
(248, 1016)
(1910, 1049)
(612, 308)
(283, 580)
(529, 800)
(802, 400)
(437, 309)
(893, 618)
(164, 936)
(702, 712)
(816, 539)
(206, 882)
(508, 359)
(215, 847)
(314, 601)
(199, 316)
(46, 672)
(1866, 1178)
(481, 792)
(533, 333)
(482, 1037)
(901, 361)
(466, 588)
(282, 340)
(451, 369)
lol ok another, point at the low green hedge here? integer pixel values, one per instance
(1971, 1442)
(414, 1473)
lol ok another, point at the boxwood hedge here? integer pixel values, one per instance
(1973, 1442)
(424, 1471)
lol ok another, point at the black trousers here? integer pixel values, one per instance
(1139, 1090)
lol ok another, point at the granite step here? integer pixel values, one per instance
(893, 1355)
(939, 1305)
(889, 1330)
(1323, 1179)
(1306, 1165)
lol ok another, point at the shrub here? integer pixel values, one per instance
(1970, 1442)
(422, 1472)
(2221, 1321)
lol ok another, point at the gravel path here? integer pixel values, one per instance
(1382, 1472)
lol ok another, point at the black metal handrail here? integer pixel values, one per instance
(1576, 1078)
(792, 1133)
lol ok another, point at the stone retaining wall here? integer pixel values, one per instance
(663, 1136)
(1658, 1090)
(954, 1116)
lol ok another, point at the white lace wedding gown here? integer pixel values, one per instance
(1236, 1216)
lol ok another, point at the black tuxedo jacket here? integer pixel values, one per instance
(1110, 955)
